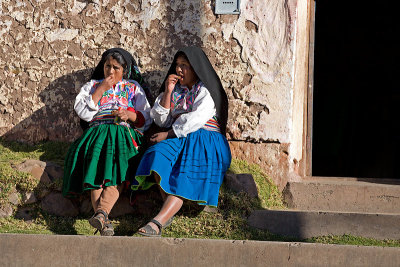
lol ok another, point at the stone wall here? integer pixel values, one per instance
(49, 48)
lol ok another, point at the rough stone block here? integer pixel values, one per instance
(29, 198)
(6, 211)
(242, 183)
(13, 198)
(36, 168)
(56, 204)
(54, 171)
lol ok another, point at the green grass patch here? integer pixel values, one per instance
(269, 195)
(16, 152)
(354, 240)
(13, 153)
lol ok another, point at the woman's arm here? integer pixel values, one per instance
(142, 108)
(161, 116)
(84, 105)
(140, 113)
(86, 102)
(203, 110)
(106, 84)
(169, 87)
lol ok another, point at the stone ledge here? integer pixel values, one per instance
(59, 250)
(344, 195)
(306, 224)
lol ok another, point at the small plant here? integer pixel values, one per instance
(269, 195)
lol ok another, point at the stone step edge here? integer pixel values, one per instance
(335, 211)
(307, 224)
(349, 180)
(353, 196)
(59, 250)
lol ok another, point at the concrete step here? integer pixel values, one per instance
(344, 194)
(59, 250)
(306, 224)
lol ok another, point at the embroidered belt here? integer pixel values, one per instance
(212, 125)
(105, 117)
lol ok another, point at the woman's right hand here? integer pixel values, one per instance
(107, 83)
(171, 82)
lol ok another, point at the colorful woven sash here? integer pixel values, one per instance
(105, 117)
(212, 125)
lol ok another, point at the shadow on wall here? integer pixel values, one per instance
(56, 120)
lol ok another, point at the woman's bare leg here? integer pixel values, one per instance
(157, 178)
(171, 206)
(95, 197)
(108, 198)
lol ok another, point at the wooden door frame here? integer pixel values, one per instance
(308, 101)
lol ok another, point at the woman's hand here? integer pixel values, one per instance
(125, 115)
(171, 82)
(158, 137)
(106, 84)
(161, 136)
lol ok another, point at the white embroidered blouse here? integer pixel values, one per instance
(126, 93)
(190, 109)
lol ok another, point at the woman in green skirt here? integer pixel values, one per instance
(104, 158)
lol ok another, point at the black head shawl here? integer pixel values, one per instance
(133, 72)
(206, 73)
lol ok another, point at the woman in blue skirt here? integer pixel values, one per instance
(190, 158)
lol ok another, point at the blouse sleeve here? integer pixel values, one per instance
(84, 105)
(142, 106)
(203, 110)
(162, 116)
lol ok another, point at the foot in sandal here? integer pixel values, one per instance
(101, 222)
(149, 231)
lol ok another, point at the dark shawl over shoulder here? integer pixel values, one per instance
(206, 73)
(133, 72)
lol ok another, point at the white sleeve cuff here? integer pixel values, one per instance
(91, 104)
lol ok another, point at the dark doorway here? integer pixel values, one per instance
(356, 100)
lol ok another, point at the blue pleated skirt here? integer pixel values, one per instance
(191, 167)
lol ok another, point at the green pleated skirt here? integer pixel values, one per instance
(103, 156)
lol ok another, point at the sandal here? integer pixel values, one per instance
(98, 220)
(149, 231)
(108, 229)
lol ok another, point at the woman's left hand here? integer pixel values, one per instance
(124, 114)
(158, 137)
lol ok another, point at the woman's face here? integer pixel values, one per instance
(187, 75)
(114, 69)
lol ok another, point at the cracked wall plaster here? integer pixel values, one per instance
(48, 50)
